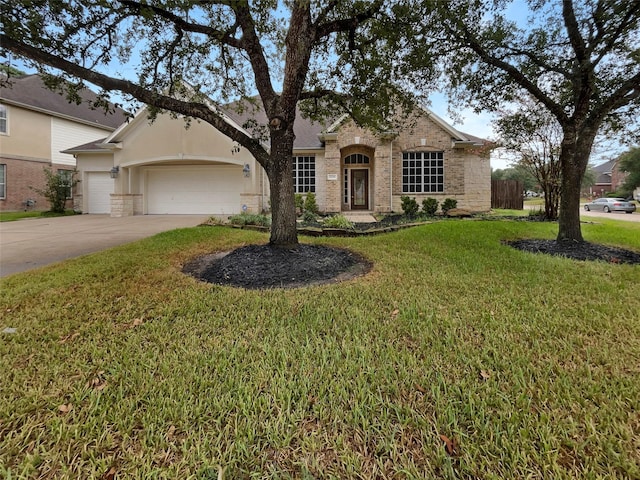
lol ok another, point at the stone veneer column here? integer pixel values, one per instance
(382, 178)
(333, 201)
(121, 205)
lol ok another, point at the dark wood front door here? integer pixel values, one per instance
(360, 189)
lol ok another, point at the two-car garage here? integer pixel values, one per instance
(193, 189)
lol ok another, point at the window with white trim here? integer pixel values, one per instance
(3, 180)
(304, 174)
(423, 172)
(67, 181)
(356, 159)
(4, 120)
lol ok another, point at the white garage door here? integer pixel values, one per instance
(99, 189)
(194, 190)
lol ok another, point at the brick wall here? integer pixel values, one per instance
(467, 173)
(21, 175)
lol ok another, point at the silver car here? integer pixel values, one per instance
(607, 205)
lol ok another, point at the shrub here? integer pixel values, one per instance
(250, 219)
(448, 204)
(308, 216)
(58, 188)
(310, 204)
(429, 206)
(338, 221)
(299, 202)
(409, 206)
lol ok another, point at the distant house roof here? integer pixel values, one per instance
(606, 167)
(30, 92)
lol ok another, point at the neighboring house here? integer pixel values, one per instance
(603, 183)
(163, 168)
(609, 178)
(36, 124)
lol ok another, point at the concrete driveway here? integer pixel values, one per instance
(34, 242)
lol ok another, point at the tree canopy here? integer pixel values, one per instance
(629, 162)
(580, 59)
(337, 56)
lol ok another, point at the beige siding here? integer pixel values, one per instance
(29, 135)
(67, 134)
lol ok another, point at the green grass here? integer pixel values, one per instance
(13, 216)
(172, 378)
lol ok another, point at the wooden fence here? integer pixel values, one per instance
(507, 194)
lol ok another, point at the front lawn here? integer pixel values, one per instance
(13, 216)
(455, 357)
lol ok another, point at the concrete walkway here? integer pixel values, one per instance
(35, 242)
(359, 217)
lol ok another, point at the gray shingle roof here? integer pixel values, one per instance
(29, 91)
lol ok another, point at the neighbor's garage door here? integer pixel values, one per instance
(99, 190)
(194, 190)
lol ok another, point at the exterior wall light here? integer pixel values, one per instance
(114, 172)
(246, 170)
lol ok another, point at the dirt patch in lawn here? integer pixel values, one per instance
(583, 251)
(264, 266)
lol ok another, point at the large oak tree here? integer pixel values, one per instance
(580, 59)
(335, 55)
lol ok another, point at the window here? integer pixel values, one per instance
(67, 181)
(304, 174)
(3, 180)
(4, 123)
(423, 172)
(356, 159)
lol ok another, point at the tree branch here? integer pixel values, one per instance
(191, 109)
(224, 37)
(347, 24)
(513, 72)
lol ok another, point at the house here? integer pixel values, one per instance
(36, 124)
(161, 167)
(609, 178)
(603, 182)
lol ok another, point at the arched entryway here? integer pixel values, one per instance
(357, 167)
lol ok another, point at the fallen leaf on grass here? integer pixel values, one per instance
(420, 388)
(110, 474)
(137, 321)
(69, 338)
(65, 408)
(97, 383)
(450, 446)
(484, 375)
(394, 314)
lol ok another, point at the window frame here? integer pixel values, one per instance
(3, 181)
(303, 169)
(4, 118)
(68, 177)
(423, 172)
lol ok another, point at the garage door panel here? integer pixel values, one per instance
(99, 190)
(200, 190)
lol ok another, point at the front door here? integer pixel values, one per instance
(360, 189)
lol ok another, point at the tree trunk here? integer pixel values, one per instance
(284, 231)
(574, 157)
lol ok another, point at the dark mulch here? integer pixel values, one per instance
(583, 251)
(264, 266)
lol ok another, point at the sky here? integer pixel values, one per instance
(472, 123)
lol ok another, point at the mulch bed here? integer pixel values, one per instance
(264, 266)
(583, 251)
